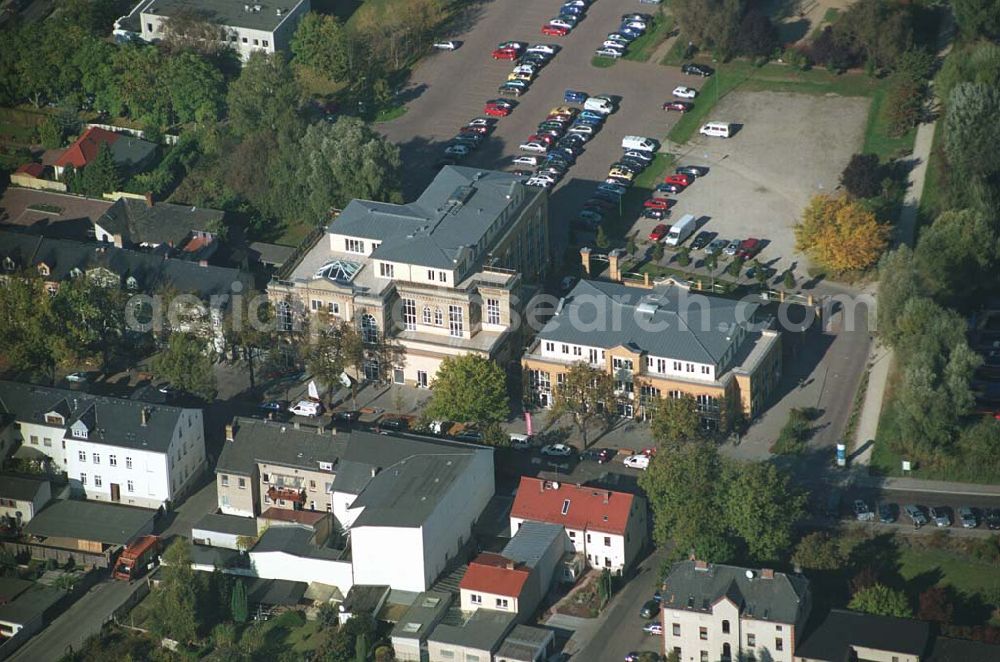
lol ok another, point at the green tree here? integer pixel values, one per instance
(683, 491)
(335, 349)
(863, 175)
(347, 160)
(50, 133)
(972, 138)
(137, 71)
(675, 420)
(469, 388)
(587, 394)
(264, 97)
(788, 280)
(881, 600)
(762, 508)
(238, 605)
(898, 283)
(601, 239)
(100, 176)
(176, 599)
(361, 648)
(977, 18)
(658, 251)
(818, 551)
(978, 62)
(186, 364)
(28, 339)
(90, 316)
(194, 85)
(684, 256)
(321, 42)
(957, 255)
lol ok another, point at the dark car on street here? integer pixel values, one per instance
(692, 69)
(993, 519)
(702, 239)
(886, 513)
(649, 609)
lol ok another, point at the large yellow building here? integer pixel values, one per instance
(659, 342)
(441, 276)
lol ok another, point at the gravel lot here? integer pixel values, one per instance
(790, 147)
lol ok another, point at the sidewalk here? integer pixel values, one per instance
(930, 486)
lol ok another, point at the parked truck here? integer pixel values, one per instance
(137, 558)
(681, 230)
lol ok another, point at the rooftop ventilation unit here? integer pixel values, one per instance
(461, 195)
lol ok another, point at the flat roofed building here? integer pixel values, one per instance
(409, 635)
(661, 342)
(440, 276)
(850, 635)
(248, 27)
(89, 526)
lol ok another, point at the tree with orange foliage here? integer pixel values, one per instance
(840, 234)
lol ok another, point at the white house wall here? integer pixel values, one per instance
(279, 565)
(389, 556)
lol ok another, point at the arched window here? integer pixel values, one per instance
(369, 328)
(438, 317)
(427, 315)
(727, 652)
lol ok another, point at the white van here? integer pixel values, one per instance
(717, 129)
(681, 230)
(640, 143)
(598, 105)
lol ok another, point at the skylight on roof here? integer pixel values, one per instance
(431, 602)
(342, 270)
(411, 628)
(565, 508)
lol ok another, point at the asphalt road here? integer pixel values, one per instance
(82, 619)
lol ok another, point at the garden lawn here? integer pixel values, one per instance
(603, 62)
(642, 48)
(965, 574)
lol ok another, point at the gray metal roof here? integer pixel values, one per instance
(277, 443)
(111, 421)
(425, 612)
(91, 520)
(161, 223)
(524, 643)
(692, 589)
(455, 212)
(484, 630)
(22, 488)
(666, 321)
(229, 12)
(274, 591)
(364, 598)
(840, 630)
(230, 524)
(30, 604)
(297, 540)
(531, 541)
(946, 649)
(271, 254)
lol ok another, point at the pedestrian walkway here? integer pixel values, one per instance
(929, 486)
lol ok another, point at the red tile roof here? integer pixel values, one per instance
(588, 508)
(85, 148)
(33, 169)
(492, 573)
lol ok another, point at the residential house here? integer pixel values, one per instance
(441, 276)
(300, 553)
(227, 531)
(661, 342)
(471, 637)
(111, 449)
(526, 644)
(721, 612)
(849, 635)
(26, 614)
(89, 532)
(181, 231)
(130, 154)
(257, 27)
(608, 528)
(22, 496)
(409, 636)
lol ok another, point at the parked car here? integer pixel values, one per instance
(748, 248)
(655, 214)
(692, 69)
(732, 247)
(886, 513)
(637, 462)
(679, 180)
(691, 170)
(309, 408)
(669, 188)
(940, 516)
(644, 656)
(557, 450)
(554, 30)
(684, 92)
(446, 45)
(561, 22)
(916, 515)
(967, 518)
(591, 217)
(77, 377)
(649, 609)
(505, 54)
(393, 423)
(653, 627)
(608, 52)
(534, 147)
(716, 246)
(617, 189)
(474, 436)
(526, 160)
(574, 96)
(862, 512)
(657, 203)
(546, 49)
(599, 455)
(702, 239)
(514, 45)
(273, 405)
(993, 519)
(679, 106)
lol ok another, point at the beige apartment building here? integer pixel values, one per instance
(657, 342)
(441, 276)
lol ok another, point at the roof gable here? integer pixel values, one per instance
(492, 573)
(85, 149)
(573, 506)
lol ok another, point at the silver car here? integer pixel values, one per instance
(967, 518)
(916, 515)
(940, 516)
(862, 512)
(716, 247)
(732, 247)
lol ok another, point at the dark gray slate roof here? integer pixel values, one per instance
(30, 604)
(163, 223)
(152, 272)
(129, 151)
(231, 524)
(832, 638)
(484, 630)
(91, 520)
(111, 421)
(364, 598)
(294, 539)
(22, 488)
(531, 541)
(425, 612)
(11, 587)
(606, 314)
(693, 589)
(275, 591)
(278, 443)
(270, 254)
(222, 557)
(229, 12)
(946, 649)
(453, 213)
(524, 643)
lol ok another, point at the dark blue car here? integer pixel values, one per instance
(572, 96)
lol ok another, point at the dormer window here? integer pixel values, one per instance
(80, 432)
(54, 419)
(131, 283)
(43, 269)
(75, 272)
(8, 264)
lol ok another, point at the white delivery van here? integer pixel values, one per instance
(598, 105)
(717, 130)
(681, 230)
(640, 143)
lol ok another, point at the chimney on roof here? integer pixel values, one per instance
(374, 471)
(230, 436)
(149, 198)
(509, 564)
(700, 565)
(767, 573)
(607, 496)
(118, 241)
(202, 263)
(585, 259)
(143, 416)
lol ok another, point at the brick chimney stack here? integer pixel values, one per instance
(230, 436)
(149, 198)
(585, 259)
(614, 266)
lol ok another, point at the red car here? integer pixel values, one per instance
(541, 138)
(657, 203)
(505, 54)
(680, 106)
(748, 248)
(659, 232)
(678, 180)
(482, 130)
(497, 111)
(554, 31)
